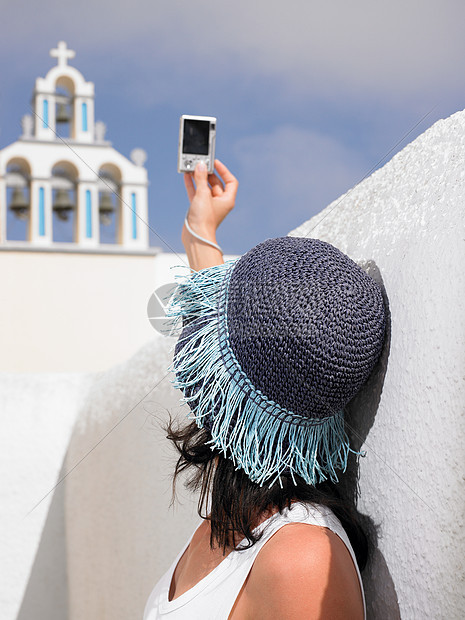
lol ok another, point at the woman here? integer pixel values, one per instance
(273, 346)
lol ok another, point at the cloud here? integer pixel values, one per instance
(296, 171)
(355, 49)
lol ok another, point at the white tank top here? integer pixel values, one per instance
(213, 597)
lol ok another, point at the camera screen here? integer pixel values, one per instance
(195, 138)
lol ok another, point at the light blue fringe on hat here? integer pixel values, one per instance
(256, 433)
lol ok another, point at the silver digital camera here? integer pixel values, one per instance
(197, 135)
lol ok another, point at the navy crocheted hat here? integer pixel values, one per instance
(272, 346)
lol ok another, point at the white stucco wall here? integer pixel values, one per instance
(409, 219)
(71, 312)
(38, 412)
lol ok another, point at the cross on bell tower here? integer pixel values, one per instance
(62, 53)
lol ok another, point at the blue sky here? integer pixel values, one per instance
(309, 96)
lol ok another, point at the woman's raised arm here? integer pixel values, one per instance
(211, 198)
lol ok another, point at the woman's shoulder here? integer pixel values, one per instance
(305, 571)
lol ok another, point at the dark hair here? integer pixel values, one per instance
(236, 502)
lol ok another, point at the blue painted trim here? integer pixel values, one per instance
(88, 214)
(41, 211)
(84, 117)
(134, 218)
(45, 113)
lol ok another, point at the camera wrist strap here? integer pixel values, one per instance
(201, 238)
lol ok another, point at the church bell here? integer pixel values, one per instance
(19, 204)
(106, 208)
(62, 204)
(62, 114)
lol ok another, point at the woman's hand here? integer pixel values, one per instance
(211, 199)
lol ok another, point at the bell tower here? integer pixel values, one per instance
(62, 184)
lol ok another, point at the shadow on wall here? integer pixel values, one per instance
(46, 594)
(360, 416)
